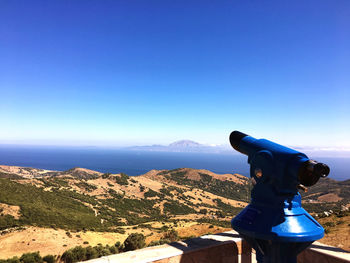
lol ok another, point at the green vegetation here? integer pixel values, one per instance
(134, 241)
(226, 208)
(175, 208)
(49, 258)
(45, 208)
(86, 186)
(221, 223)
(106, 175)
(10, 176)
(30, 258)
(80, 253)
(150, 193)
(122, 179)
(168, 237)
(167, 191)
(7, 221)
(207, 183)
(142, 188)
(62, 207)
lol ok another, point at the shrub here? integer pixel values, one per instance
(203, 211)
(134, 241)
(91, 253)
(122, 179)
(106, 175)
(142, 188)
(150, 193)
(158, 242)
(68, 257)
(329, 224)
(31, 258)
(10, 260)
(117, 245)
(74, 255)
(49, 259)
(171, 235)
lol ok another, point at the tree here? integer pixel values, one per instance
(203, 211)
(75, 254)
(31, 258)
(91, 252)
(134, 241)
(68, 256)
(172, 235)
(10, 260)
(142, 188)
(49, 259)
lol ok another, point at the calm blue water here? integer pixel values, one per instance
(136, 163)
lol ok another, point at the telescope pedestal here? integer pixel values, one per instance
(278, 231)
(276, 252)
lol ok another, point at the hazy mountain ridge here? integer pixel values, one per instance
(185, 143)
(183, 146)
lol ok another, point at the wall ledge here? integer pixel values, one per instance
(226, 247)
(223, 247)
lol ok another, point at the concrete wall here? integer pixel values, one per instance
(225, 247)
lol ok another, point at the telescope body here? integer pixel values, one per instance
(274, 222)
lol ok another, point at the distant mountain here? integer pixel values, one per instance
(183, 146)
(185, 143)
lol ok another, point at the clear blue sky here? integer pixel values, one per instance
(143, 72)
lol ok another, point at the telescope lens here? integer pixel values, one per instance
(321, 170)
(311, 171)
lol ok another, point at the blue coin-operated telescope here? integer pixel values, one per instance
(274, 223)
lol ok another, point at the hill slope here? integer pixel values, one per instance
(81, 198)
(91, 204)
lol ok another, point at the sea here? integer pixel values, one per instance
(134, 163)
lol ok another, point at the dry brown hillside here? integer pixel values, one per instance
(107, 207)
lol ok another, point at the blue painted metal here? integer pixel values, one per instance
(274, 222)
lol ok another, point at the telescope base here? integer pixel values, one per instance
(268, 251)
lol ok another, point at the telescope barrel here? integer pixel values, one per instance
(307, 171)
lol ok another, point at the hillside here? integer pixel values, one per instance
(81, 198)
(326, 195)
(105, 208)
